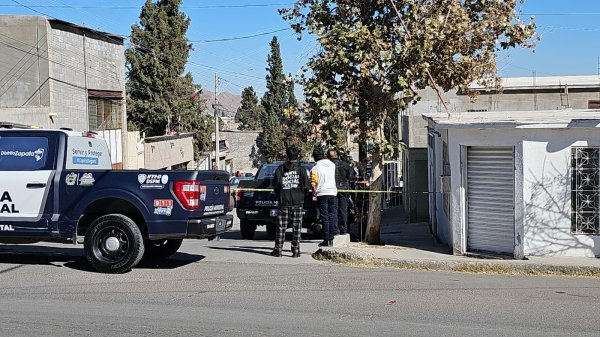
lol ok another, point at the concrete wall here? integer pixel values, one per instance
(414, 128)
(542, 188)
(439, 213)
(24, 88)
(241, 143)
(27, 115)
(52, 64)
(134, 151)
(168, 151)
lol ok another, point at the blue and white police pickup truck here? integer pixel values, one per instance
(58, 186)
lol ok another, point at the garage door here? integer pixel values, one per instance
(490, 199)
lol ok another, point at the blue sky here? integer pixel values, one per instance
(570, 33)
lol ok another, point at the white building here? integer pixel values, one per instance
(517, 94)
(520, 183)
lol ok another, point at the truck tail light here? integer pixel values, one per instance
(238, 195)
(227, 190)
(188, 193)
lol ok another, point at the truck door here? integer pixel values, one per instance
(26, 171)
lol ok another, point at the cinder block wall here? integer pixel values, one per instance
(241, 143)
(76, 51)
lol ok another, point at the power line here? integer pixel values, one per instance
(579, 29)
(47, 58)
(138, 7)
(32, 9)
(241, 37)
(190, 62)
(234, 38)
(562, 14)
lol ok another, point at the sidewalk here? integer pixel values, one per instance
(411, 246)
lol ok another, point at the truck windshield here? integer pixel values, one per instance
(268, 171)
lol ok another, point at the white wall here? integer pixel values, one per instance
(542, 188)
(547, 194)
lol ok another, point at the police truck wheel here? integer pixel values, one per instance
(113, 244)
(161, 249)
(247, 229)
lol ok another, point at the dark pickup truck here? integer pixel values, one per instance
(257, 203)
(58, 186)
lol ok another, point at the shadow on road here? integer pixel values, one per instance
(73, 258)
(173, 262)
(263, 236)
(253, 250)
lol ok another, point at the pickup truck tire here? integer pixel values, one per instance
(247, 229)
(113, 244)
(161, 249)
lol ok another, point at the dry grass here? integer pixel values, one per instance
(463, 268)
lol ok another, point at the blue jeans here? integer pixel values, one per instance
(328, 214)
(342, 214)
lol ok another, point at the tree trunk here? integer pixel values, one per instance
(374, 219)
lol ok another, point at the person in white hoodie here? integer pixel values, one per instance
(324, 188)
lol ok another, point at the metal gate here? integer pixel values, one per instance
(392, 183)
(490, 199)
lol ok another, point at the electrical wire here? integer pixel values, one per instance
(190, 62)
(113, 7)
(241, 37)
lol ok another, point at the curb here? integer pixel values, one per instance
(357, 257)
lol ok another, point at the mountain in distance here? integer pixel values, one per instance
(229, 102)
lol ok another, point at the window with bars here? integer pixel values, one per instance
(585, 188)
(104, 113)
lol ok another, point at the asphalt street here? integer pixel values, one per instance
(232, 287)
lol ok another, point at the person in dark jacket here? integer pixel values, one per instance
(291, 184)
(344, 174)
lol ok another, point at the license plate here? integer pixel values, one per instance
(221, 225)
(274, 212)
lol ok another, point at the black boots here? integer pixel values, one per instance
(276, 253)
(326, 243)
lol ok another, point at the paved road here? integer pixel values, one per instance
(231, 288)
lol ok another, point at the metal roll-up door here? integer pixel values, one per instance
(490, 199)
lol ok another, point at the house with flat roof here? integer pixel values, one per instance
(552, 93)
(521, 183)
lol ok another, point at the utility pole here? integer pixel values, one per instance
(216, 108)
